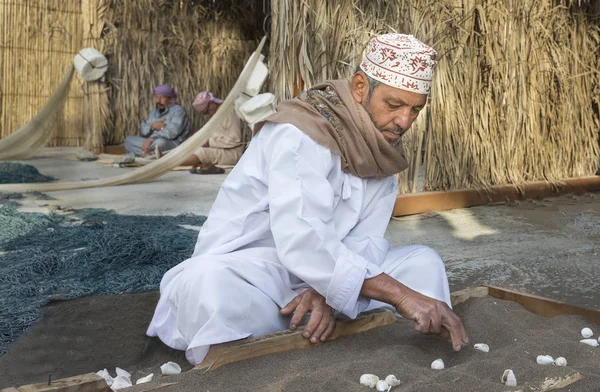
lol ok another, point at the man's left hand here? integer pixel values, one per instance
(146, 146)
(322, 320)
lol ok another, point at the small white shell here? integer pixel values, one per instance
(382, 386)
(392, 380)
(587, 333)
(560, 361)
(482, 347)
(508, 378)
(370, 380)
(438, 364)
(121, 382)
(121, 372)
(544, 360)
(146, 379)
(170, 368)
(590, 342)
(106, 376)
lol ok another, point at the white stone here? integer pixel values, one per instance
(438, 364)
(170, 368)
(560, 361)
(121, 382)
(544, 360)
(587, 333)
(382, 386)
(508, 378)
(590, 342)
(482, 347)
(369, 380)
(392, 380)
(122, 372)
(106, 376)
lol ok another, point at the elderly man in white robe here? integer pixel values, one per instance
(298, 225)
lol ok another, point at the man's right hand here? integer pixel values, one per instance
(430, 315)
(433, 317)
(146, 147)
(158, 125)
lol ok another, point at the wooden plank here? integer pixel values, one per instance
(418, 203)
(222, 354)
(84, 383)
(461, 296)
(115, 150)
(551, 384)
(543, 306)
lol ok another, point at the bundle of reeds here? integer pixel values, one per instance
(513, 93)
(37, 43)
(183, 43)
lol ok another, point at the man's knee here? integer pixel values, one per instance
(207, 278)
(429, 259)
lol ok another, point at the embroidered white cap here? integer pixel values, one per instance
(400, 61)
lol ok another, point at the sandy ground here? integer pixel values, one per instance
(93, 333)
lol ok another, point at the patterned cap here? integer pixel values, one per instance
(400, 61)
(203, 99)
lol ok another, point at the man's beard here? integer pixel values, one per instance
(391, 128)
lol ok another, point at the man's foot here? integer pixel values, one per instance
(207, 169)
(157, 153)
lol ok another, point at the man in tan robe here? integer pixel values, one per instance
(224, 147)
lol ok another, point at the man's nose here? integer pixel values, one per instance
(403, 119)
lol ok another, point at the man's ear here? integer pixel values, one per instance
(359, 86)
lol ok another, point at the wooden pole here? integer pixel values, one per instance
(419, 203)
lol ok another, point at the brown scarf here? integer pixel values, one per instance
(329, 115)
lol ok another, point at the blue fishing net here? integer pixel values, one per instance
(19, 173)
(88, 252)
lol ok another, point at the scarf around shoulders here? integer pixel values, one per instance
(329, 114)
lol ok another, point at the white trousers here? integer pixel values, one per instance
(233, 296)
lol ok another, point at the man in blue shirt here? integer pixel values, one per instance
(166, 127)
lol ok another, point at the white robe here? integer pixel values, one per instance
(286, 218)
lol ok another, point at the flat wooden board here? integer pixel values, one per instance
(461, 296)
(222, 354)
(551, 384)
(84, 383)
(421, 202)
(541, 306)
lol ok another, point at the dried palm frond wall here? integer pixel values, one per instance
(38, 40)
(191, 45)
(513, 94)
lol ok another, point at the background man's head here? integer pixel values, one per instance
(393, 81)
(207, 103)
(164, 95)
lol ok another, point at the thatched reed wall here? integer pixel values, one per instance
(183, 43)
(192, 45)
(513, 94)
(38, 40)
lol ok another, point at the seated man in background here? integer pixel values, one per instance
(224, 147)
(166, 127)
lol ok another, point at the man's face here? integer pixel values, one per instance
(162, 101)
(392, 110)
(211, 109)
